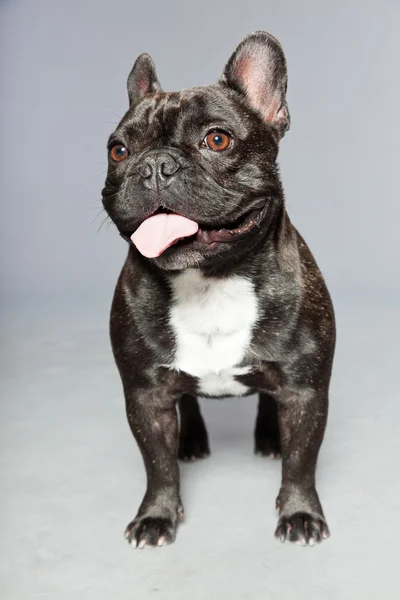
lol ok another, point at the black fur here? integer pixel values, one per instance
(293, 341)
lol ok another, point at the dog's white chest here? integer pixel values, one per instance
(212, 320)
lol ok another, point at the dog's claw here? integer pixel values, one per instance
(151, 531)
(302, 528)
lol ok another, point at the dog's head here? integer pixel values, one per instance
(192, 175)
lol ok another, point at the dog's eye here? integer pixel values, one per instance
(217, 140)
(118, 153)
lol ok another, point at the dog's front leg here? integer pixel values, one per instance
(302, 419)
(153, 420)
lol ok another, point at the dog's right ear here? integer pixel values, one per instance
(142, 79)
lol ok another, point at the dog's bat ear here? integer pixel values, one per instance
(257, 71)
(142, 79)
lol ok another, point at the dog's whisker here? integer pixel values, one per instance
(97, 216)
(106, 218)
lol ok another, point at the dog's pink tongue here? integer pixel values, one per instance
(160, 231)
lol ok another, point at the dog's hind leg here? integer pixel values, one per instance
(193, 437)
(267, 439)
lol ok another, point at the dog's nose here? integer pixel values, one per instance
(158, 170)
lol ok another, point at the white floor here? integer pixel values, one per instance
(72, 478)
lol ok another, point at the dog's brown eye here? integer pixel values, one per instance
(119, 152)
(217, 140)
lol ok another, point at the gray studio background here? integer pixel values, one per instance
(73, 476)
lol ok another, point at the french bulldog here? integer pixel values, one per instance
(219, 295)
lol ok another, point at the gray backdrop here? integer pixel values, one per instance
(71, 475)
(64, 65)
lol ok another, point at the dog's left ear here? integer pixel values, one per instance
(142, 79)
(257, 71)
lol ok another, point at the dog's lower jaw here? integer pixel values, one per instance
(222, 249)
(230, 255)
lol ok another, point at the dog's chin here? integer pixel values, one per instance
(210, 242)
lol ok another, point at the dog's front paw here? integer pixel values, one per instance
(151, 531)
(302, 528)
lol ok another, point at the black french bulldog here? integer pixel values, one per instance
(219, 295)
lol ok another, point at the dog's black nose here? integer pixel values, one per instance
(158, 170)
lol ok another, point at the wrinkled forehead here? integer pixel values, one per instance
(192, 110)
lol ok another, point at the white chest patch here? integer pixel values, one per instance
(212, 320)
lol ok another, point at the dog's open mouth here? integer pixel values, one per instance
(164, 229)
(231, 231)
